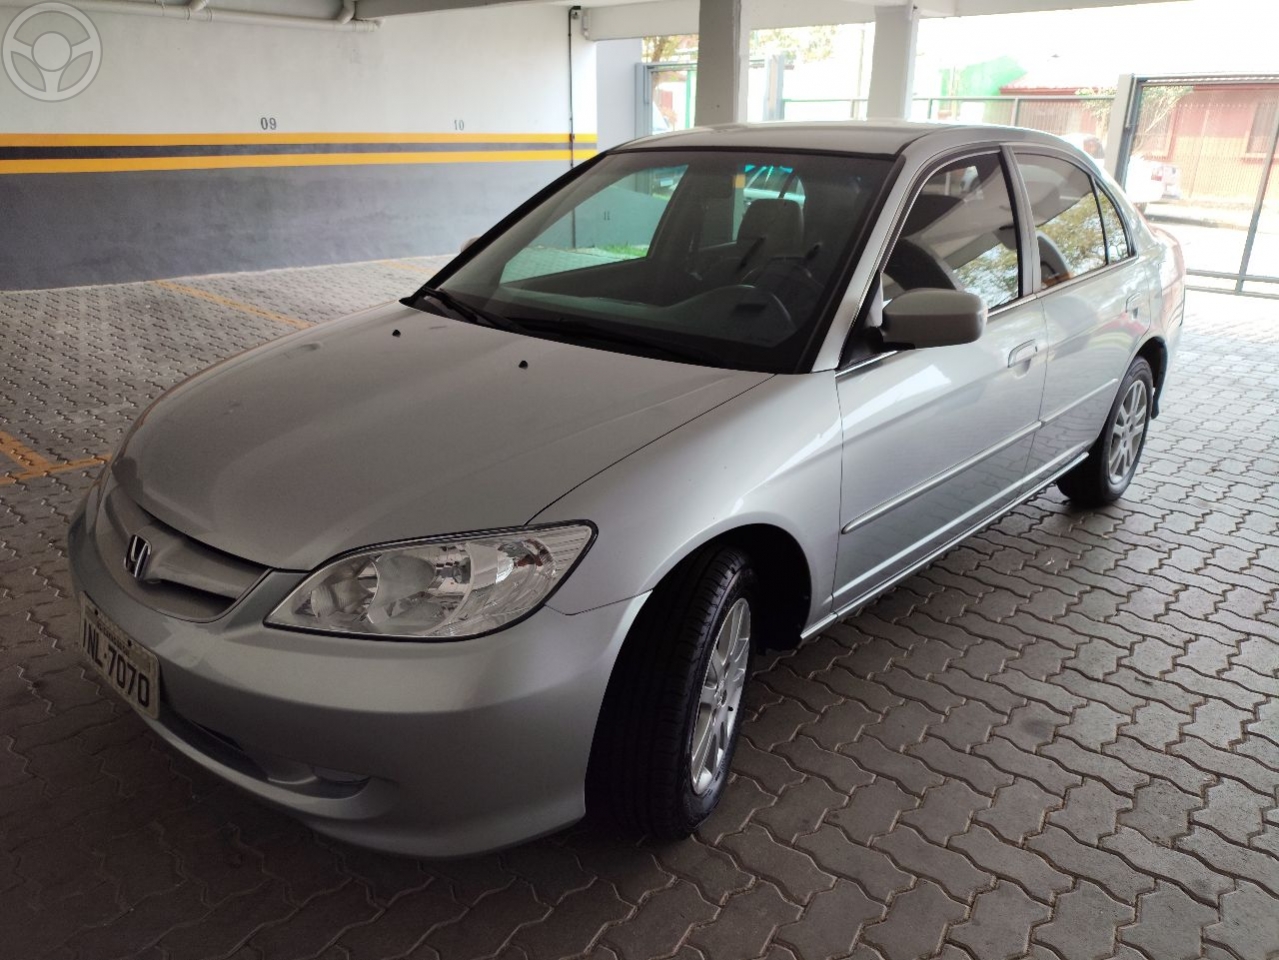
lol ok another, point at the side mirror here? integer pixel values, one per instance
(933, 318)
(466, 244)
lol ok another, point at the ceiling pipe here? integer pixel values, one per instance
(199, 11)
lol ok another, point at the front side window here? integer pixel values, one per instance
(725, 258)
(960, 234)
(1067, 220)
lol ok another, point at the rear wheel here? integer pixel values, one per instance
(671, 716)
(1112, 462)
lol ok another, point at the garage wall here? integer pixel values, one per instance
(616, 62)
(400, 142)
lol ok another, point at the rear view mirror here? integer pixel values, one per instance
(466, 244)
(933, 318)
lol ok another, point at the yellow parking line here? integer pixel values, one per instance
(49, 467)
(410, 267)
(232, 304)
(21, 454)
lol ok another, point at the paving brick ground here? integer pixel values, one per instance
(1060, 741)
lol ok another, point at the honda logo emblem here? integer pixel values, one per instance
(137, 557)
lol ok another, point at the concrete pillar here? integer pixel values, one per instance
(892, 66)
(723, 62)
(775, 95)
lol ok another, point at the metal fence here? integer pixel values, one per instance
(1214, 140)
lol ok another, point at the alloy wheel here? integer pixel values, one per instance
(1127, 432)
(720, 696)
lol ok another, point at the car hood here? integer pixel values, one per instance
(395, 424)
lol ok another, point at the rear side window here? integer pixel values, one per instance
(1116, 237)
(960, 234)
(1067, 219)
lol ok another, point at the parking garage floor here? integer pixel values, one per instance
(1061, 740)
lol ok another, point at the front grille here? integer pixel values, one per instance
(182, 577)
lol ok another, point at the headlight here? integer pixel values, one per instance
(446, 589)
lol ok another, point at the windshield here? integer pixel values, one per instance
(720, 258)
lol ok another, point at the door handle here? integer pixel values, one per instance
(1023, 353)
(1134, 304)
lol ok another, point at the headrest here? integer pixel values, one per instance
(927, 210)
(780, 221)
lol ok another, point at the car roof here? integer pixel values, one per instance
(878, 137)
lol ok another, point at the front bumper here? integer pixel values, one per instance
(429, 749)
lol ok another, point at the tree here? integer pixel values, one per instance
(1158, 101)
(805, 44)
(666, 49)
(1099, 108)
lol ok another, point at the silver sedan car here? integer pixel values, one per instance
(440, 576)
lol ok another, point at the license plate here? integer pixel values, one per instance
(131, 669)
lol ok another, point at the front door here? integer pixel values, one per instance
(937, 440)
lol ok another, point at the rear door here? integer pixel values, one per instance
(936, 440)
(1095, 299)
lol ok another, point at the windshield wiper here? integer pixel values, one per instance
(573, 328)
(589, 331)
(470, 314)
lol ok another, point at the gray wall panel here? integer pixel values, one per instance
(615, 63)
(60, 230)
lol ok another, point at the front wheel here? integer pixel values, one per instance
(672, 712)
(1112, 462)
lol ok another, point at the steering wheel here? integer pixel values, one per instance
(796, 280)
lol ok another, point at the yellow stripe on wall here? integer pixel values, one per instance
(235, 139)
(126, 164)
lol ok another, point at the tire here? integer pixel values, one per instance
(1104, 476)
(641, 773)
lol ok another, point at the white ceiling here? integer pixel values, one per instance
(615, 19)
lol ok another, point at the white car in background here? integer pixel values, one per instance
(1151, 181)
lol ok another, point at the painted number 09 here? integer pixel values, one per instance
(267, 123)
